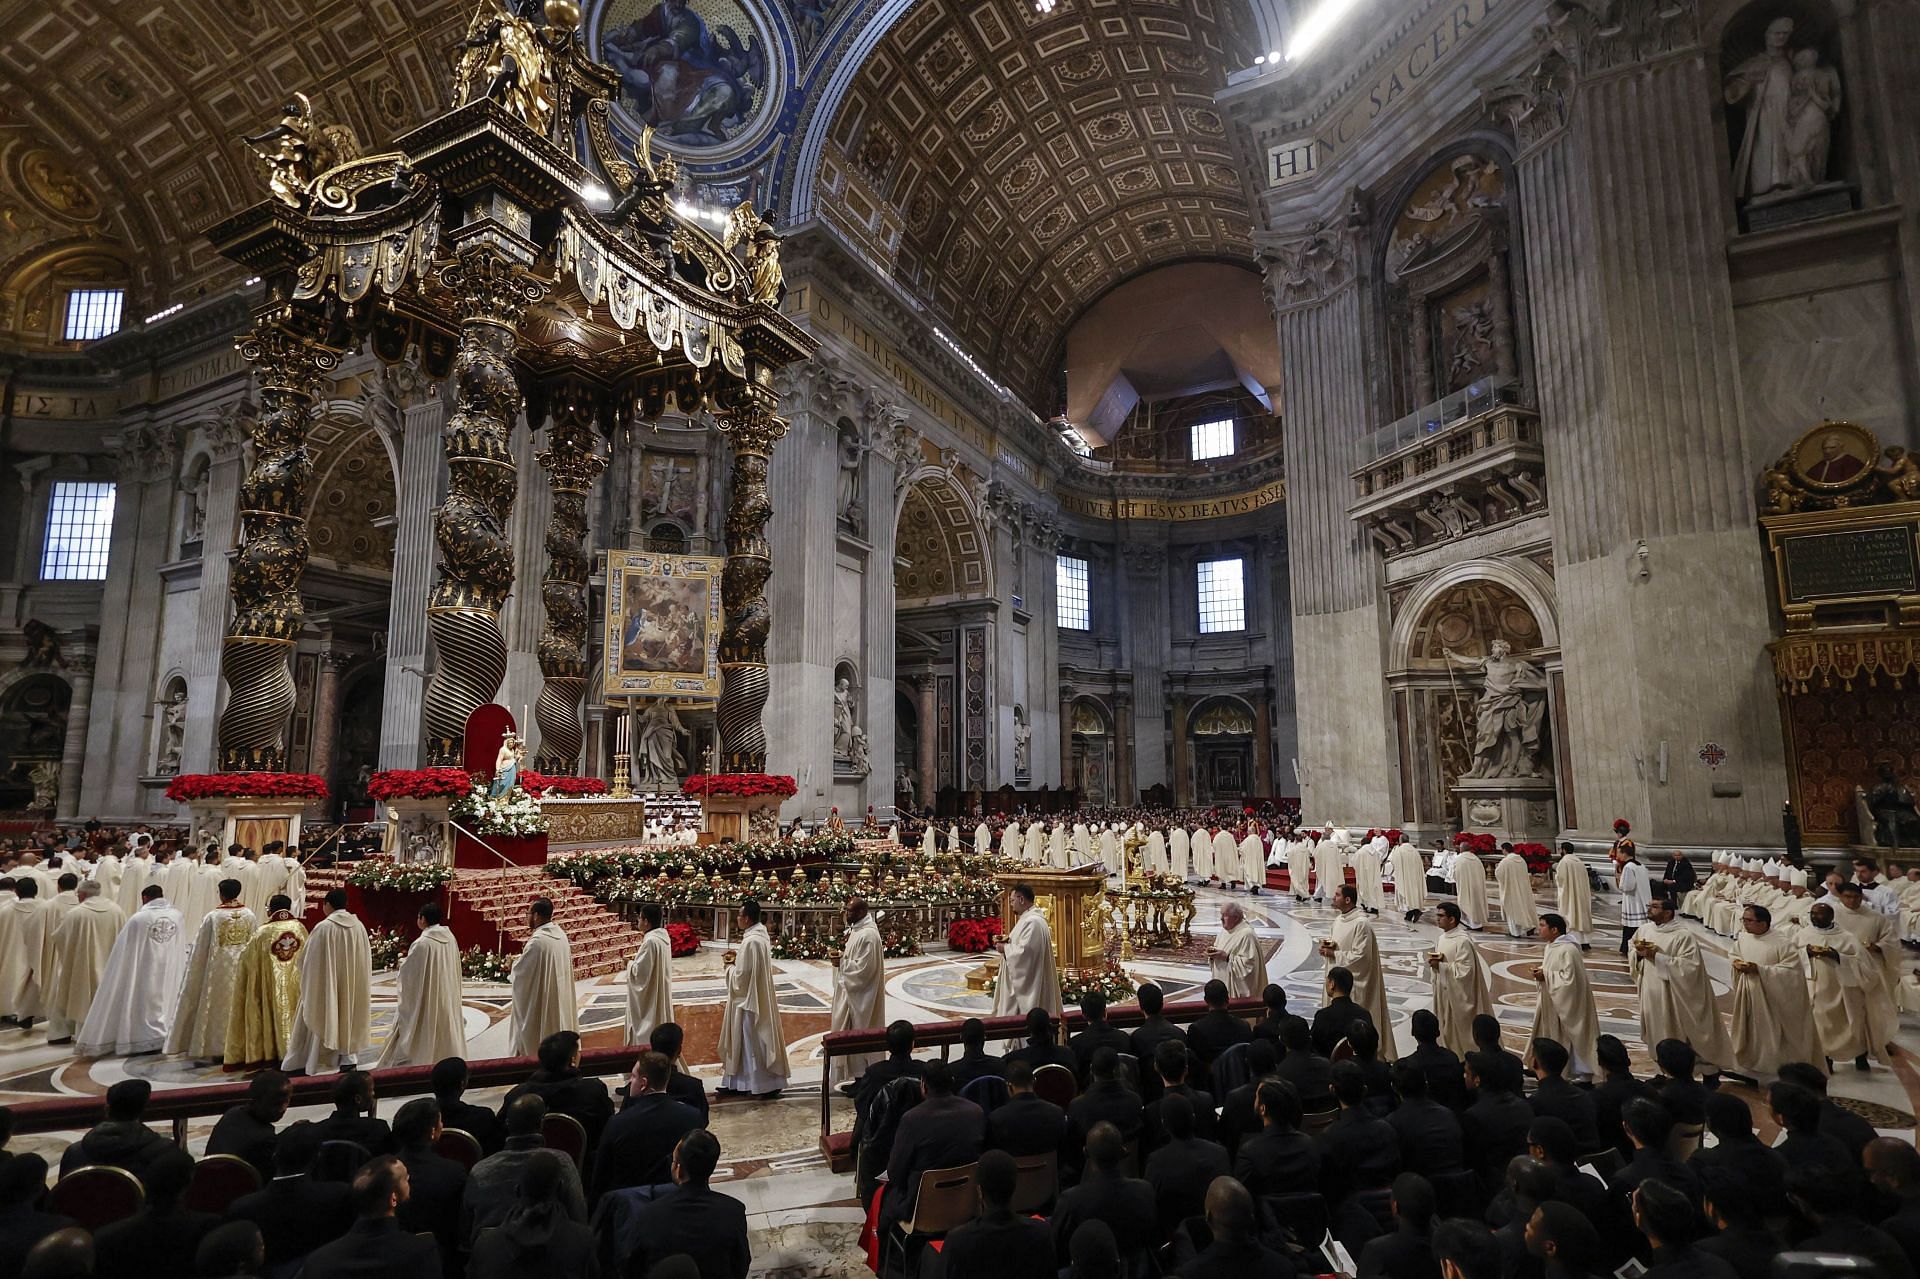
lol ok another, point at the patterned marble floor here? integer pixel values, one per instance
(804, 1218)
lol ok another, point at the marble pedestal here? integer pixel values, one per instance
(1520, 809)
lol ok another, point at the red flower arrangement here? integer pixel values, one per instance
(971, 936)
(683, 938)
(542, 784)
(192, 786)
(419, 783)
(1475, 842)
(1539, 857)
(741, 785)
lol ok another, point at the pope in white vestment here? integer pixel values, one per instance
(753, 1043)
(1564, 1011)
(1462, 985)
(1676, 997)
(206, 996)
(1235, 955)
(542, 980)
(430, 1023)
(333, 1025)
(1516, 895)
(859, 989)
(82, 945)
(650, 979)
(1470, 889)
(1028, 979)
(1772, 1013)
(134, 1006)
(1354, 947)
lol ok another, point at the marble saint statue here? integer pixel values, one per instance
(1512, 701)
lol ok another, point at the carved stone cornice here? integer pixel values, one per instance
(1306, 267)
(1596, 36)
(820, 385)
(227, 433)
(1535, 104)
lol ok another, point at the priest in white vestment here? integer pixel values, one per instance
(1200, 843)
(1329, 867)
(81, 946)
(1462, 986)
(542, 980)
(237, 865)
(1226, 857)
(1879, 938)
(1110, 851)
(1010, 841)
(982, 839)
(134, 1005)
(1253, 861)
(1676, 996)
(1574, 892)
(1409, 880)
(1354, 947)
(65, 897)
(1057, 854)
(213, 967)
(1772, 1012)
(1846, 990)
(1564, 1011)
(1034, 851)
(24, 922)
(650, 978)
(1157, 852)
(135, 875)
(270, 874)
(177, 881)
(430, 1023)
(859, 989)
(926, 841)
(1028, 978)
(753, 1043)
(1516, 895)
(1235, 955)
(1179, 853)
(1470, 889)
(333, 1026)
(1300, 867)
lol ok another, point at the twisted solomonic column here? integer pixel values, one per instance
(492, 293)
(264, 581)
(749, 422)
(572, 464)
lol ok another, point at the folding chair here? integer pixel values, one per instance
(946, 1198)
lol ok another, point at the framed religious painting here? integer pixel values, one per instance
(663, 625)
(1835, 456)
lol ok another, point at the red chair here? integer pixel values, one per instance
(1055, 1083)
(1342, 1051)
(565, 1134)
(218, 1180)
(458, 1145)
(97, 1195)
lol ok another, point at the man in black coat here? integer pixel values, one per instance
(1235, 1251)
(1216, 1030)
(943, 1131)
(1149, 1035)
(1851, 1130)
(1095, 1035)
(1330, 1024)
(1268, 1027)
(1181, 1170)
(435, 1183)
(1554, 1096)
(636, 1148)
(1742, 1239)
(1105, 1193)
(667, 1039)
(1648, 1125)
(23, 1223)
(353, 1118)
(1429, 1133)
(295, 1213)
(1675, 1087)
(1279, 1159)
(159, 1240)
(122, 1140)
(1106, 1100)
(1310, 1073)
(479, 1123)
(1026, 1124)
(1170, 1062)
(1894, 1168)
(694, 1219)
(997, 1243)
(559, 1083)
(1550, 1141)
(1494, 1127)
(1239, 1118)
(1043, 1047)
(247, 1130)
(1406, 1253)
(1358, 1151)
(375, 1247)
(974, 1061)
(1446, 1082)
(899, 1063)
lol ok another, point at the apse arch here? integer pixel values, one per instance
(940, 545)
(1530, 585)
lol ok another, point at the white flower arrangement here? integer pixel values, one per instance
(515, 813)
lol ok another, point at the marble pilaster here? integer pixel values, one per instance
(422, 481)
(800, 650)
(524, 614)
(1148, 643)
(326, 710)
(224, 438)
(73, 750)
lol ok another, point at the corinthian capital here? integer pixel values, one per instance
(1304, 268)
(488, 285)
(1533, 104)
(749, 422)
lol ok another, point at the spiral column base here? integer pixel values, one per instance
(471, 663)
(260, 702)
(743, 696)
(557, 713)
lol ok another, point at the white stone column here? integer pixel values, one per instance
(224, 437)
(802, 477)
(1043, 652)
(422, 485)
(877, 602)
(73, 750)
(525, 614)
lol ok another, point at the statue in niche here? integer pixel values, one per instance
(195, 527)
(1896, 819)
(857, 753)
(1471, 337)
(843, 721)
(173, 732)
(903, 788)
(1508, 714)
(1790, 102)
(853, 451)
(659, 743)
(1022, 743)
(45, 778)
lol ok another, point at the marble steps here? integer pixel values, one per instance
(602, 942)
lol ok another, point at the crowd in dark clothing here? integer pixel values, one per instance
(349, 1194)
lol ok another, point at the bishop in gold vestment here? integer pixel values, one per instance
(266, 993)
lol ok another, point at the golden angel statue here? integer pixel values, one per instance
(300, 149)
(505, 58)
(765, 278)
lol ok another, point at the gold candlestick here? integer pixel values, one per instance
(622, 782)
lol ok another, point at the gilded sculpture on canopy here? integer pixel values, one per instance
(508, 58)
(765, 278)
(299, 149)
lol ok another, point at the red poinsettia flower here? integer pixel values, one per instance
(971, 936)
(419, 783)
(741, 785)
(683, 938)
(192, 786)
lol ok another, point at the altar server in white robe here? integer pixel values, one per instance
(753, 1044)
(982, 839)
(1879, 942)
(1253, 861)
(1772, 1013)
(1409, 880)
(213, 968)
(1235, 955)
(1300, 867)
(23, 952)
(333, 1026)
(1028, 979)
(1157, 852)
(543, 992)
(1110, 851)
(1226, 856)
(81, 946)
(1516, 896)
(1329, 867)
(650, 978)
(859, 989)
(1354, 947)
(1367, 878)
(1470, 888)
(430, 1024)
(1057, 854)
(1462, 985)
(1010, 841)
(1676, 997)
(1574, 892)
(926, 841)
(1034, 851)
(1843, 978)
(1179, 853)
(1564, 1011)
(134, 1005)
